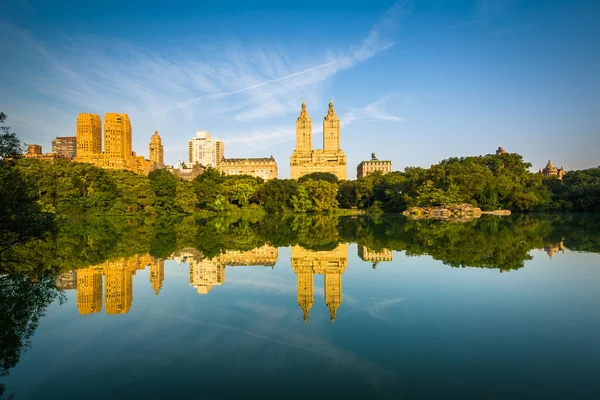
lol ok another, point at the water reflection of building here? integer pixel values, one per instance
(374, 256)
(157, 275)
(118, 284)
(265, 255)
(67, 280)
(89, 290)
(552, 249)
(331, 264)
(118, 276)
(206, 273)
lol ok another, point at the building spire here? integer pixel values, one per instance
(331, 110)
(303, 110)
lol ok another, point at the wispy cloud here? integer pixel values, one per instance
(178, 89)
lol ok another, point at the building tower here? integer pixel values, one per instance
(331, 130)
(88, 136)
(156, 150)
(117, 136)
(303, 131)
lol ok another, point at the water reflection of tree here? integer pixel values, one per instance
(488, 242)
(23, 301)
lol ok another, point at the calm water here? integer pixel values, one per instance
(306, 307)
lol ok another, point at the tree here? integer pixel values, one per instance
(319, 176)
(164, 184)
(322, 194)
(240, 189)
(275, 195)
(301, 201)
(186, 196)
(10, 145)
(21, 217)
(346, 195)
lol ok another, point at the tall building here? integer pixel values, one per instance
(331, 158)
(205, 151)
(500, 151)
(88, 136)
(551, 170)
(34, 149)
(65, 146)
(265, 168)
(156, 152)
(117, 136)
(331, 264)
(366, 168)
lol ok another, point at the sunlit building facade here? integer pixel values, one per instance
(206, 151)
(265, 168)
(88, 137)
(65, 146)
(34, 149)
(368, 167)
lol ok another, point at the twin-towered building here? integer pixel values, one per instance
(331, 158)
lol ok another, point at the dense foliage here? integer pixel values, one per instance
(490, 182)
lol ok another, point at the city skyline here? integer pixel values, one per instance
(419, 83)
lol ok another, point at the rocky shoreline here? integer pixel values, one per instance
(457, 212)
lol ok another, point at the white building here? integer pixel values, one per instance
(205, 151)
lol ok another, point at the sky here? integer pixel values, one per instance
(415, 82)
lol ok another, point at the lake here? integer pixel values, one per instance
(305, 307)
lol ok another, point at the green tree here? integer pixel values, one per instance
(186, 196)
(275, 195)
(319, 176)
(10, 145)
(322, 194)
(301, 200)
(164, 184)
(346, 195)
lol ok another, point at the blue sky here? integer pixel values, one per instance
(413, 81)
